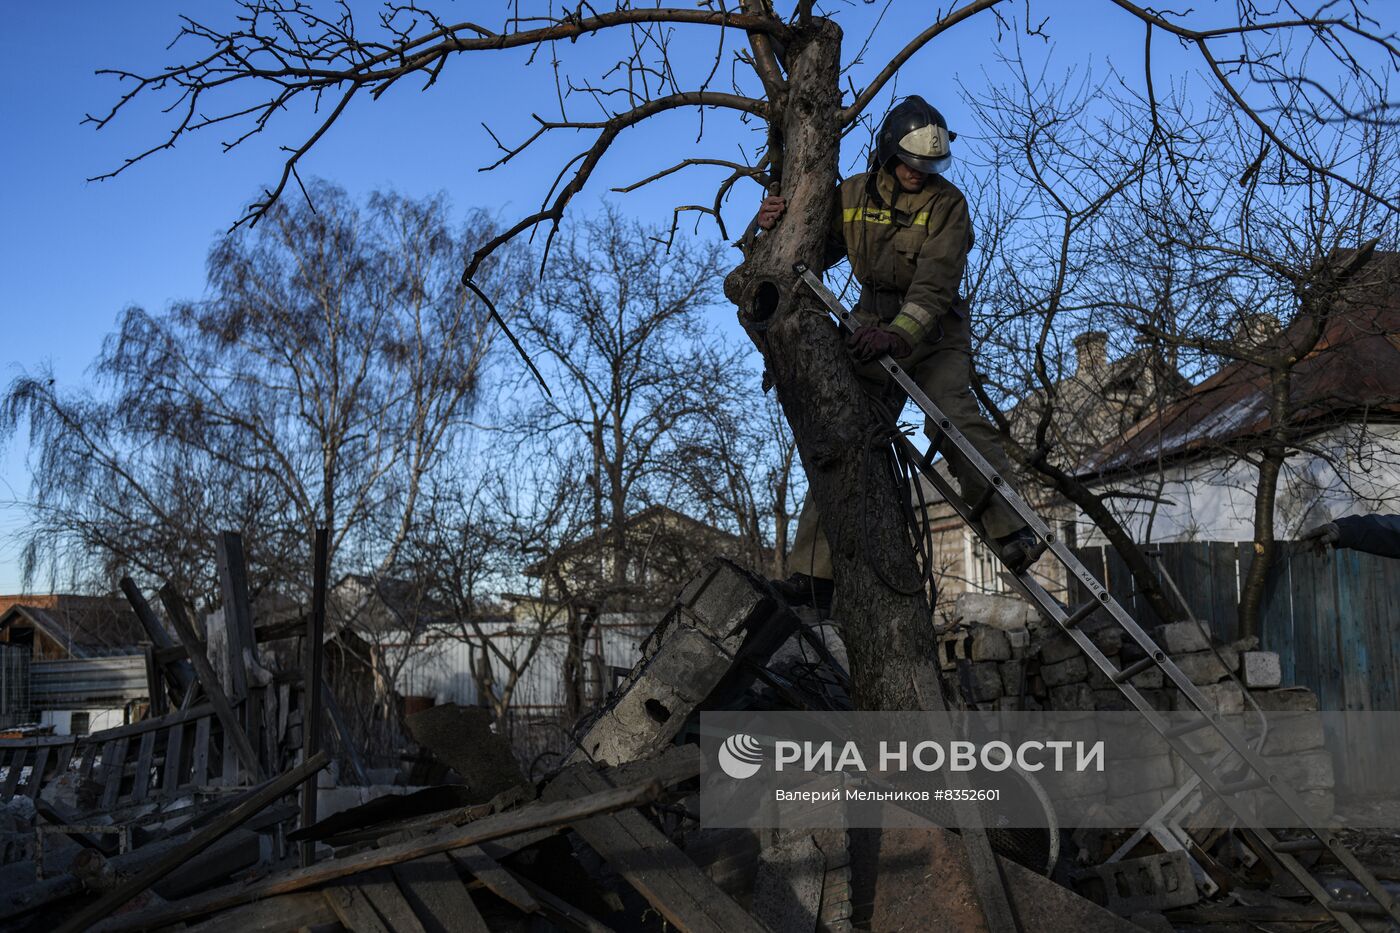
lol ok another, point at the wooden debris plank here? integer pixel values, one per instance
(155, 684)
(146, 725)
(205, 673)
(311, 688)
(274, 915)
(36, 774)
(561, 911)
(660, 872)
(16, 766)
(434, 890)
(353, 909)
(199, 754)
(174, 759)
(141, 785)
(487, 828)
(113, 768)
(252, 804)
(497, 880)
(388, 900)
(238, 617)
(89, 759)
(63, 758)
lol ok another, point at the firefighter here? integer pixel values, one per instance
(906, 231)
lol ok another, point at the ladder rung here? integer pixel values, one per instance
(1186, 728)
(1298, 845)
(1080, 614)
(983, 503)
(1241, 787)
(1137, 667)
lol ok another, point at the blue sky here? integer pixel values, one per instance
(73, 254)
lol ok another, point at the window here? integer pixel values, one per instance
(78, 723)
(984, 570)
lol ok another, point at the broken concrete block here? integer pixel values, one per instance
(989, 644)
(1059, 647)
(984, 681)
(687, 660)
(1003, 612)
(1070, 670)
(1310, 770)
(1020, 641)
(952, 648)
(1154, 882)
(461, 737)
(1202, 667)
(1013, 681)
(1293, 733)
(1226, 697)
(1108, 638)
(787, 891)
(1075, 697)
(1289, 699)
(1262, 669)
(1180, 637)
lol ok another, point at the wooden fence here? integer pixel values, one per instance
(1333, 619)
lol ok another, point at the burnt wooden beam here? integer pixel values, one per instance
(238, 617)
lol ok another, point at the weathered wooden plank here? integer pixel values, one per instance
(479, 863)
(238, 619)
(249, 806)
(113, 769)
(199, 753)
(1224, 589)
(432, 887)
(155, 684)
(178, 671)
(274, 915)
(90, 750)
(147, 725)
(16, 767)
(660, 872)
(311, 687)
(36, 774)
(175, 610)
(560, 911)
(174, 761)
(352, 907)
(388, 900)
(141, 783)
(487, 828)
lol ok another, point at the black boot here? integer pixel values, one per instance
(1019, 550)
(802, 590)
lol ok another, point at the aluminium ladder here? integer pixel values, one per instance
(1244, 757)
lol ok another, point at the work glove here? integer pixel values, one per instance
(869, 343)
(770, 210)
(1322, 536)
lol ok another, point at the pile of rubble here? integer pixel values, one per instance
(610, 841)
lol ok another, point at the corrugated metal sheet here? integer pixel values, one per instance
(87, 682)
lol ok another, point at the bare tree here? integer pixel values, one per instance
(318, 386)
(1252, 280)
(283, 51)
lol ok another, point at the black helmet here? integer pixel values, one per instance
(917, 135)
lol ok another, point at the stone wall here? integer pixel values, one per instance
(1005, 657)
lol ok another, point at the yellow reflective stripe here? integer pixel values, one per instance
(872, 216)
(906, 326)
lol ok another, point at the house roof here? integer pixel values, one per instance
(1352, 373)
(405, 603)
(86, 626)
(658, 513)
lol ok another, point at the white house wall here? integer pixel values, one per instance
(1213, 499)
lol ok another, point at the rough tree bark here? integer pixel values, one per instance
(820, 395)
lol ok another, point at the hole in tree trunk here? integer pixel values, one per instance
(765, 300)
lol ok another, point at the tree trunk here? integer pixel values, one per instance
(886, 632)
(1270, 465)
